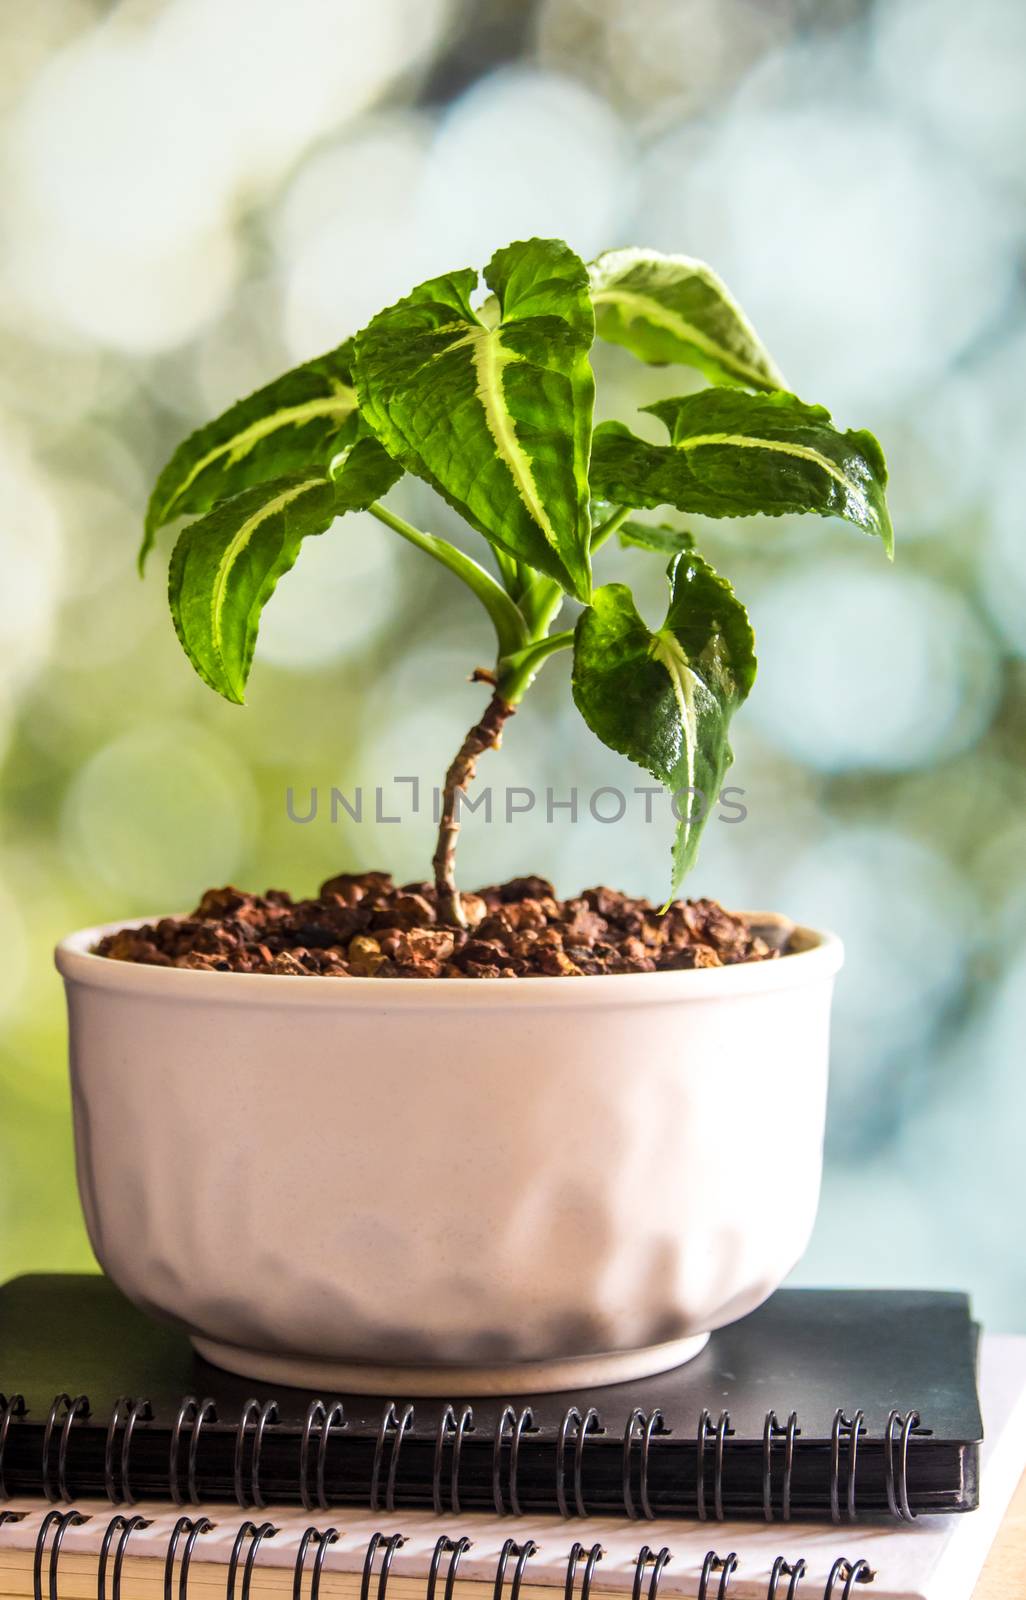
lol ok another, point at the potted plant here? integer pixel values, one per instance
(465, 1183)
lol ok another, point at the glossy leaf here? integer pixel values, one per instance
(658, 536)
(295, 424)
(225, 566)
(733, 454)
(494, 410)
(665, 699)
(675, 309)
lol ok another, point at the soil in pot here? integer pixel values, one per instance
(364, 925)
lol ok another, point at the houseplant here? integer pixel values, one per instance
(500, 1219)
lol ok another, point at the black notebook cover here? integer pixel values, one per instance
(822, 1403)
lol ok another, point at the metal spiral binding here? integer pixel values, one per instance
(645, 1555)
(12, 1516)
(127, 1413)
(60, 1521)
(194, 1529)
(324, 1539)
(852, 1426)
(591, 1422)
(651, 1427)
(447, 1425)
(256, 1537)
(262, 1416)
(79, 1407)
(720, 1433)
(852, 1572)
(455, 1550)
(192, 1414)
(391, 1545)
(394, 1427)
(898, 1501)
(126, 1526)
(725, 1566)
(789, 1434)
(785, 1569)
(318, 1417)
(9, 1408)
(595, 1555)
(520, 1424)
(523, 1553)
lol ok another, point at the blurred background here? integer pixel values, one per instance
(199, 192)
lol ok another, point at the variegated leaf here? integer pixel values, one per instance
(665, 699)
(733, 454)
(225, 566)
(495, 409)
(674, 309)
(298, 422)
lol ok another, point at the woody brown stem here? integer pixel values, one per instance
(485, 735)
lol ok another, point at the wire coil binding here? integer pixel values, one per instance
(194, 1529)
(390, 1547)
(79, 1407)
(646, 1428)
(520, 1424)
(659, 1561)
(192, 1415)
(852, 1427)
(594, 1556)
(852, 1572)
(60, 1521)
(262, 1417)
(523, 1553)
(590, 1423)
(719, 1434)
(393, 1428)
(794, 1570)
(324, 1538)
(448, 1426)
(11, 1407)
(124, 1527)
(771, 1432)
(896, 1482)
(256, 1536)
(320, 1419)
(126, 1413)
(455, 1550)
(725, 1566)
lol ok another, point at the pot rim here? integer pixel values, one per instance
(820, 957)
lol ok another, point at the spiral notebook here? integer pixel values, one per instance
(834, 1404)
(148, 1551)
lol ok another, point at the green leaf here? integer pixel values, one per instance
(297, 423)
(665, 699)
(674, 309)
(494, 410)
(225, 566)
(733, 454)
(658, 536)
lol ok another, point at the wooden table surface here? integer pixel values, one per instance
(1004, 1576)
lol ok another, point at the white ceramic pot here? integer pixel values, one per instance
(458, 1187)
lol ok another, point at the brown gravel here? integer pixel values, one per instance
(363, 925)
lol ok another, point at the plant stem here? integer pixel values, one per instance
(517, 672)
(609, 527)
(506, 618)
(485, 735)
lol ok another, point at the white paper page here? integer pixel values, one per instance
(936, 1558)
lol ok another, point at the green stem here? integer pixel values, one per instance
(509, 624)
(609, 527)
(518, 671)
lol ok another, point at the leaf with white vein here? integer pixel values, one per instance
(298, 422)
(673, 309)
(495, 409)
(665, 699)
(225, 566)
(733, 454)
